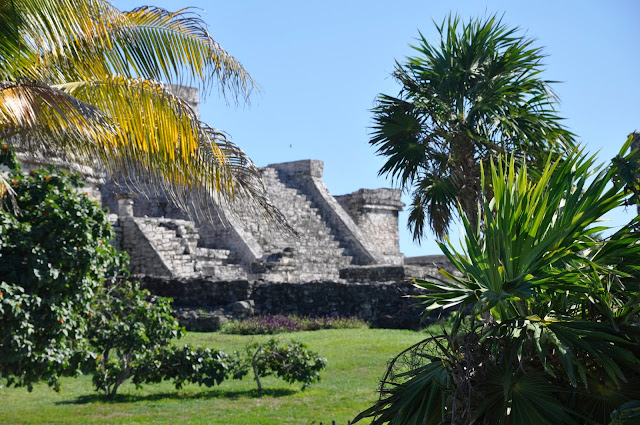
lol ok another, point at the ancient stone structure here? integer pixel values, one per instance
(162, 241)
(332, 233)
(343, 260)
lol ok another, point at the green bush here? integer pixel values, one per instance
(132, 331)
(548, 314)
(54, 255)
(291, 362)
(128, 330)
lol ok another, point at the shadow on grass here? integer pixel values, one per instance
(177, 395)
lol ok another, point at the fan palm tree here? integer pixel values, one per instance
(475, 94)
(82, 80)
(547, 313)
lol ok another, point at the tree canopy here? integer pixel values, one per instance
(475, 93)
(54, 255)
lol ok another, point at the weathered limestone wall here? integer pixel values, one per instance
(328, 237)
(117, 229)
(143, 252)
(377, 294)
(306, 176)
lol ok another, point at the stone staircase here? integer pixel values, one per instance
(176, 244)
(313, 254)
(247, 246)
(219, 263)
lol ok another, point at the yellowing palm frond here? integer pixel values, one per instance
(94, 39)
(162, 143)
(45, 32)
(38, 110)
(181, 39)
(82, 78)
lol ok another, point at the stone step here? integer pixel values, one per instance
(227, 271)
(171, 239)
(223, 255)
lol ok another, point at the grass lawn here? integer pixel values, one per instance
(356, 361)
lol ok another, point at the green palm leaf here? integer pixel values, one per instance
(476, 93)
(547, 312)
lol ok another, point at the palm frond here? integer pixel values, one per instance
(474, 93)
(161, 143)
(49, 32)
(519, 398)
(79, 80)
(39, 111)
(93, 39)
(181, 38)
(414, 390)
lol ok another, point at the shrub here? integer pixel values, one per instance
(290, 361)
(548, 314)
(128, 329)
(132, 332)
(54, 255)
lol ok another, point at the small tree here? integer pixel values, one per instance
(54, 255)
(128, 329)
(290, 361)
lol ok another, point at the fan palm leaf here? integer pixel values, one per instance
(476, 93)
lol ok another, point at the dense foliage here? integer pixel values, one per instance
(548, 327)
(54, 256)
(475, 93)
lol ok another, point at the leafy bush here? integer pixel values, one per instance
(272, 324)
(132, 332)
(551, 313)
(54, 255)
(128, 329)
(290, 361)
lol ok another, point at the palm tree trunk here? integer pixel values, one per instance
(466, 172)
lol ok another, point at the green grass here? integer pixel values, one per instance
(356, 361)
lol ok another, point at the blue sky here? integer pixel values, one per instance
(320, 65)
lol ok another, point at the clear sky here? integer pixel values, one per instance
(320, 65)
